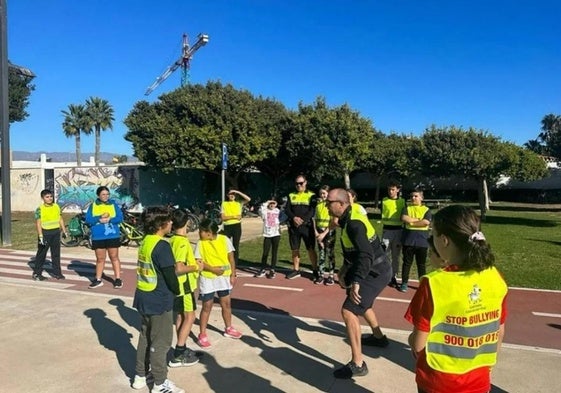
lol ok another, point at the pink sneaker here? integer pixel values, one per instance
(203, 341)
(232, 332)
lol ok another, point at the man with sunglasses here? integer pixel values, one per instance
(300, 209)
(368, 270)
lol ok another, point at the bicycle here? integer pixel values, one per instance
(193, 220)
(129, 228)
(79, 233)
(213, 211)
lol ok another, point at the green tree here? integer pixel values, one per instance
(20, 88)
(330, 141)
(100, 114)
(551, 134)
(76, 122)
(536, 146)
(186, 128)
(475, 154)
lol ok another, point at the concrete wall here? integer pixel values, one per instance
(26, 185)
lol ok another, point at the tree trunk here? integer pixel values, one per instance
(347, 178)
(97, 143)
(78, 151)
(377, 193)
(483, 195)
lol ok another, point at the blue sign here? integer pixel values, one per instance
(224, 156)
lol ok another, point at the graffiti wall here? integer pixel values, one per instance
(25, 187)
(75, 187)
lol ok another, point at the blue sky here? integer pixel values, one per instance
(492, 65)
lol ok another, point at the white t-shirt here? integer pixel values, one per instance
(271, 224)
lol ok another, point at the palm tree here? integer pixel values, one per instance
(76, 122)
(101, 117)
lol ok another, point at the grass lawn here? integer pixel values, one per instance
(526, 240)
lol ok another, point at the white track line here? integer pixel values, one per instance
(274, 287)
(545, 314)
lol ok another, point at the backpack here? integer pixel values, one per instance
(75, 226)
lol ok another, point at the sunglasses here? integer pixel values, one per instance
(328, 202)
(300, 183)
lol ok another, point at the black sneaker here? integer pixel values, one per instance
(318, 280)
(271, 274)
(118, 283)
(372, 341)
(39, 277)
(188, 358)
(293, 274)
(95, 284)
(59, 277)
(393, 282)
(329, 281)
(260, 273)
(351, 370)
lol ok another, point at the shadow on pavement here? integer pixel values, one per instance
(294, 357)
(115, 338)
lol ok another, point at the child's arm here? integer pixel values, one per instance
(417, 341)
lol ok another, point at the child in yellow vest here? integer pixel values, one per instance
(187, 269)
(458, 312)
(218, 277)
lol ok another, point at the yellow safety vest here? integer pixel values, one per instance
(232, 208)
(99, 208)
(183, 253)
(301, 198)
(322, 215)
(391, 211)
(346, 242)
(215, 253)
(50, 216)
(417, 212)
(146, 277)
(465, 324)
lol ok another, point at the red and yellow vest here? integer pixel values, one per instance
(417, 212)
(464, 331)
(146, 277)
(50, 216)
(215, 253)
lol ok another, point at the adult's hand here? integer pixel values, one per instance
(355, 297)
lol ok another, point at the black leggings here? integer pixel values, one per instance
(270, 244)
(234, 232)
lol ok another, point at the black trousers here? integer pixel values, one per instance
(234, 232)
(51, 238)
(420, 256)
(270, 244)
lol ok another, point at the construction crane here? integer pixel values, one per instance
(183, 62)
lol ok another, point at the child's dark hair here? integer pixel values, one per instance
(154, 218)
(100, 189)
(46, 191)
(461, 225)
(208, 225)
(179, 218)
(393, 183)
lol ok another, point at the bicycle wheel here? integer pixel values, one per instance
(124, 234)
(192, 222)
(69, 240)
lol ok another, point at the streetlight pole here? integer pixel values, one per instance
(5, 130)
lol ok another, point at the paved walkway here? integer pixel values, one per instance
(55, 340)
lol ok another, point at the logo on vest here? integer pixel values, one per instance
(475, 295)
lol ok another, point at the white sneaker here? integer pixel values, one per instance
(139, 382)
(167, 387)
